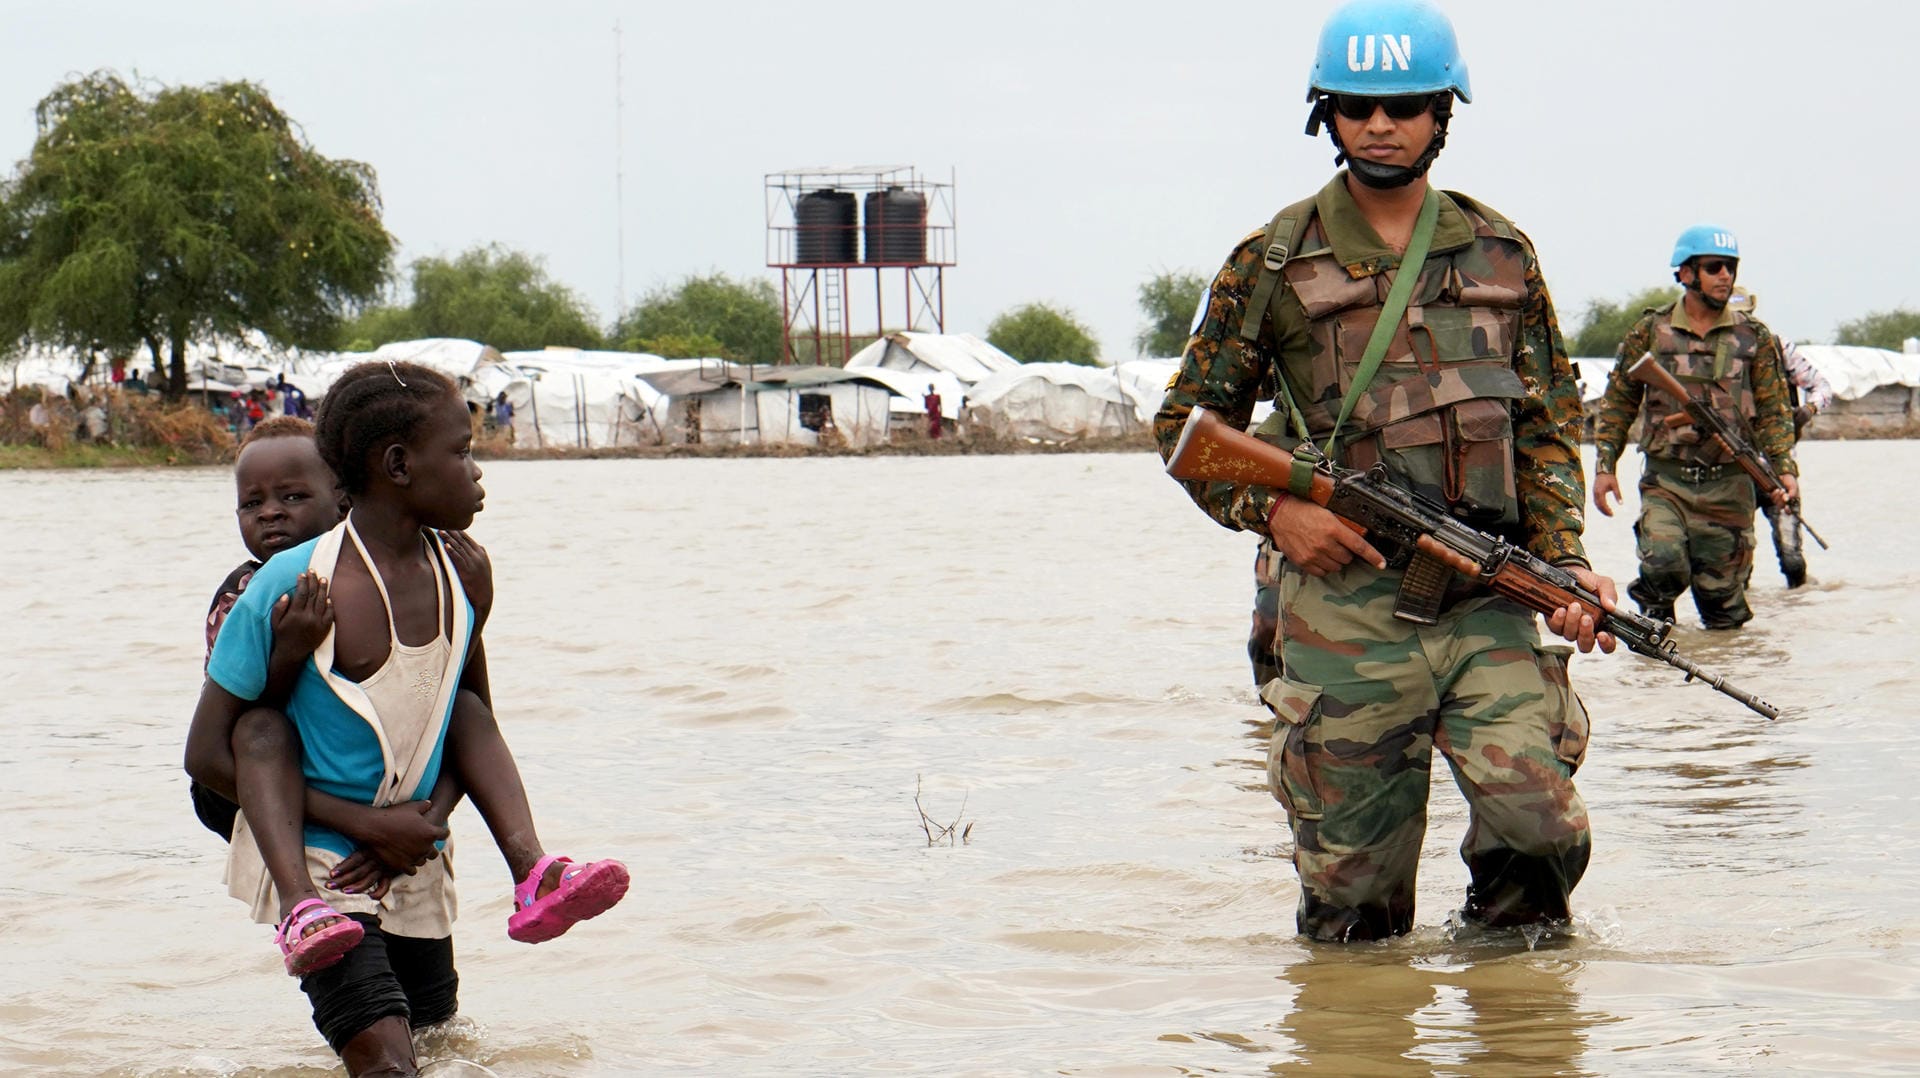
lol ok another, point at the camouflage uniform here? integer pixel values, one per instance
(1365, 697)
(1263, 649)
(1696, 504)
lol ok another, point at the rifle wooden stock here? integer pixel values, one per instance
(1210, 450)
(1648, 372)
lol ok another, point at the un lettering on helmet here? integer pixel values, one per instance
(1392, 50)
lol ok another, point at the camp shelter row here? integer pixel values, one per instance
(564, 397)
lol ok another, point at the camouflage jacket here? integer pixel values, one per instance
(1222, 371)
(1771, 424)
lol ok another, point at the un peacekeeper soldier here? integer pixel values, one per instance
(1696, 504)
(1475, 405)
(1808, 393)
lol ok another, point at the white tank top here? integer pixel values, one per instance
(404, 689)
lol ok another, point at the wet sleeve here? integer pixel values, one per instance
(1548, 478)
(1773, 406)
(1222, 371)
(1801, 372)
(240, 652)
(1621, 402)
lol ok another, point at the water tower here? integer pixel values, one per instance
(828, 229)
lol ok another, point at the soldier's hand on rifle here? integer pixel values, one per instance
(1604, 484)
(1581, 626)
(1316, 540)
(1789, 491)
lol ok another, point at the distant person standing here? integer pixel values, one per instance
(503, 415)
(293, 401)
(1810, 393)
(1695, 529)
(932, 403)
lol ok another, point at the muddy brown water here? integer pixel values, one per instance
(734, 674)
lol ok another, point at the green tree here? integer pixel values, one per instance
(1604, 324)
(499, 297)
(376, 326)
(743, 317)
(1041, 333)
(1880, 329)
(161, 217)
(488, 294)
(1169, 301)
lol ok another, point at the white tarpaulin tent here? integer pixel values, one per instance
(963, 355)
(583, 399)
(910, 390)
(731, 403)
(1147, 380)
(1054, 402)
(1855, 372)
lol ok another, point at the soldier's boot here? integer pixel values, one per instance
(1321, 920)
(1722, 610)
(1651, 603)
(1509, 888)
(1786, 544)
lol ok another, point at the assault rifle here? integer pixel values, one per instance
(1712, 425)
(1406, 524)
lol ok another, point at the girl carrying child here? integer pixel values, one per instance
(344, 798)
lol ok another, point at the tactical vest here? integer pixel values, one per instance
(1438, 413)
(1716, 368)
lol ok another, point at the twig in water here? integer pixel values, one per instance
(936, 831)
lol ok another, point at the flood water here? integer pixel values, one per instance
(735, 674)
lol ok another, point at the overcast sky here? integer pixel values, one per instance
(1092, 144)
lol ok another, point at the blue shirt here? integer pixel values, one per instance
(339, 751)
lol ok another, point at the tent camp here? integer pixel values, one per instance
(732, 404)
(1146, 380)
(1874, 386)
(584, 399)
(1055, 402)
(963, 355)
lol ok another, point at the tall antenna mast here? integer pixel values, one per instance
(619, 178)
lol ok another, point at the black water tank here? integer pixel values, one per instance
(896, 227)
(827, 227)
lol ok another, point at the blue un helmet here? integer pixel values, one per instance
(1705, 240)
(1387, 48)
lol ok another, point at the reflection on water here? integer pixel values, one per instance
(1383, 1010)
(744, 710)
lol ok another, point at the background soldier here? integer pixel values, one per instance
(1473, 404)
(1696, 504)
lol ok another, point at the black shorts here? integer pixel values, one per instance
(384, 977)
(215, 811)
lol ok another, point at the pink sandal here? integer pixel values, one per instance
(307, 953)
(584, 891)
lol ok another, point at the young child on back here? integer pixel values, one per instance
(384, 725)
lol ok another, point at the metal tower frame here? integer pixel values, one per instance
(818, 306)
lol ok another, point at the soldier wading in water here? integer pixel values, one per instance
(1468, 400)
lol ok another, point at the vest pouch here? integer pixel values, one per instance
(1480, 460)
(1410, 450)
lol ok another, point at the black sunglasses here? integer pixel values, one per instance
(1403, 107)
(1713, 267)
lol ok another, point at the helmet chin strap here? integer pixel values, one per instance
(1693, 288)
(1715, 305)
(1372, 173)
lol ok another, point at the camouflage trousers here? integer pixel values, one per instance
(1263, 640)
(1699, 536)
(1366, 699)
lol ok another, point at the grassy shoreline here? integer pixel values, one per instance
(80, 455)
(83, 455)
